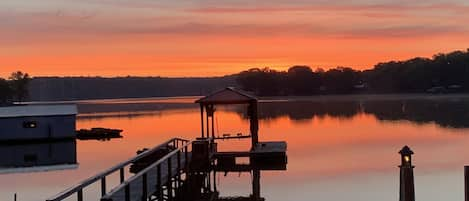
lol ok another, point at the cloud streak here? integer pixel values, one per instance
(395, 8)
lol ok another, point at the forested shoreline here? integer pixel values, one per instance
(443, 73)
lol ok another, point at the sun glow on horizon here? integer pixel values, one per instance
(206, 38)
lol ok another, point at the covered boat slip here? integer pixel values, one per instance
(267, 153)
(37, 122)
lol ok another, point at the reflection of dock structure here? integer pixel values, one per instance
(188, 169)
(37, 156)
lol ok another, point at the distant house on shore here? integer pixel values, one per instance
(37, 122)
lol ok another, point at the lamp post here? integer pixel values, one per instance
(407, 190)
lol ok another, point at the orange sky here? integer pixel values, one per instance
(207, 37)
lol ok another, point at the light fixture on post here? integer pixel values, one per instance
(407, 190)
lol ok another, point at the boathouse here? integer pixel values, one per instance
(37, 122)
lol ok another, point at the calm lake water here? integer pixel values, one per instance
(338, 148)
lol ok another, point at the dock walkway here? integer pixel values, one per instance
(168, 166)
(150, 180)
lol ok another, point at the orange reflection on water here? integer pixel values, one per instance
(324, 153)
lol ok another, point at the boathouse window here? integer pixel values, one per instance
(29, 124)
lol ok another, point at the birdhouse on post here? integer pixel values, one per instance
(406, 190)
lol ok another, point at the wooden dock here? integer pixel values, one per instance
(168, 165)
(184, 174)
(151, 180)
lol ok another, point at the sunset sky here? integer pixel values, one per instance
(214, 37)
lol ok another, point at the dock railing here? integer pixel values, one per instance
(177, 143)
(152, 178)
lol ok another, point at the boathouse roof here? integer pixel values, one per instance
(229, 95)
(37, 110)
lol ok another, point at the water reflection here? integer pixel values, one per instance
(445, 113)
(337, 149)
(452, 113)
(34, 157)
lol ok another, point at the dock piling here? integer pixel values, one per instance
(466, 183)
(80, 195)
(144, 187)
(103, 186)
(121, 175)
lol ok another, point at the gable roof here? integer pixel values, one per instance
(229, 95)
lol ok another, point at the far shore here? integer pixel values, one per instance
(365, 97)
(331, 97)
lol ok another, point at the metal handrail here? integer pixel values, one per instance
(144, 172)
(102, 176)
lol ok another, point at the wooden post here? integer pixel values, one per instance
(215, 181)
(407, 190)
(254, 123)
(127, 192)
(121, 175)
(207, 123)
(170, 182)
(186, 161)
(144, 187)
(213, 122)
(202, 119)
(103, 186)
(80, 195)
(256, 184)
(178, 155)
(466, 183)
(158, 182)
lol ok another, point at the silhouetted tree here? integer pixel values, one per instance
(302, 80)
(19, 83)
(5, 91)
(340, 80)
(264, 82)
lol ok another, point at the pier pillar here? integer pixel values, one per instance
(254, 122)
(466, 183)
(256, 185)
(406, 190)
(202, 120)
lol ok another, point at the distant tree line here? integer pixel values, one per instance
(82, 88)
(15, 88)
(442, 73)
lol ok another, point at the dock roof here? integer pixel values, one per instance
(229, 95)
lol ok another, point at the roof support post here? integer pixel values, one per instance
(202, 119)
(208, 130)
(254, 122)
(213, 121)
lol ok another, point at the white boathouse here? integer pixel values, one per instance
(37, 122)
